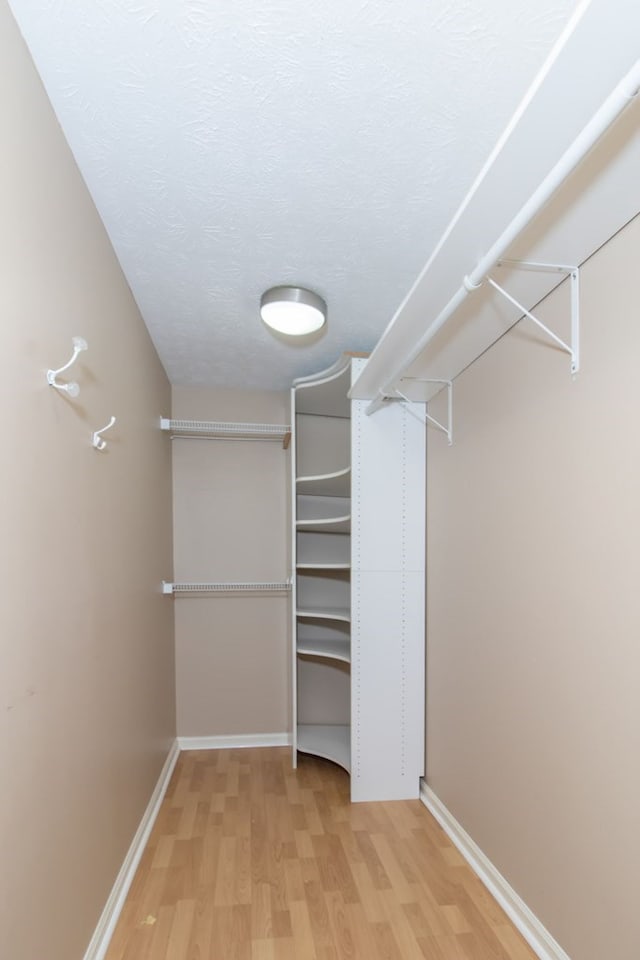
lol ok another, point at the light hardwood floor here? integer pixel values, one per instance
(251, 860)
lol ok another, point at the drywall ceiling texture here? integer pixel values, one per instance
(231, 147)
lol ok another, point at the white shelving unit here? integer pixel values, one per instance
(220, 430)
(337, 484)
(358, 589)
(331, 741)
(193, 589)
(531, 219)
(224, 430)
(329, 649)
(318, 612)
(326, 525)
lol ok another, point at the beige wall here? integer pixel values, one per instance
(533, 716)
(230, 524)
(86, 659)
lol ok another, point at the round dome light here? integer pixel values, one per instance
(293, 310)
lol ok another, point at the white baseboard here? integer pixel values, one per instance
(235, 740)
(107, 922)
(533, 931)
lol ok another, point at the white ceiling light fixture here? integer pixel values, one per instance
(293, 310)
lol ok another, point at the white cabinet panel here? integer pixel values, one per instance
(387, 685)
(388, 488)
(366, 714)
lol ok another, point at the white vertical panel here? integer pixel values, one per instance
(388, 583)
(387, 708)
(388, 450)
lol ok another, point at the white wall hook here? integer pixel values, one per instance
(97, 440)
(71, 389)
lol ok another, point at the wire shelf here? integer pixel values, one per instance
(193, 588)
(214, 429)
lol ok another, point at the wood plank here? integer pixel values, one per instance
(252, 860)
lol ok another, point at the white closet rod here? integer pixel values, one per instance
(618, 99)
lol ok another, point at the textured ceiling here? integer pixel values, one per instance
(231, 146)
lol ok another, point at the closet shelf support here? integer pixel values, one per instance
(384, 398)
(379, 402)
(427, 418)
(573, 349)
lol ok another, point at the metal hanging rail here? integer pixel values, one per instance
(217, 430)
(190, 589)
(620, 97)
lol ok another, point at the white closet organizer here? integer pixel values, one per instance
(358, 585)
(217, 430)
(223, 430)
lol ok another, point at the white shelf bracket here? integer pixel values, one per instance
(573, 349)
(378, 403)
(427, 418)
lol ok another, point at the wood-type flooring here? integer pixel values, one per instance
(252, 860)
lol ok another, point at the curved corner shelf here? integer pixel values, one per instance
(325, 525)
(326, 741)
(328, 649)
(326, 394)
(321, 552)
(337, 484)
(325, 613)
